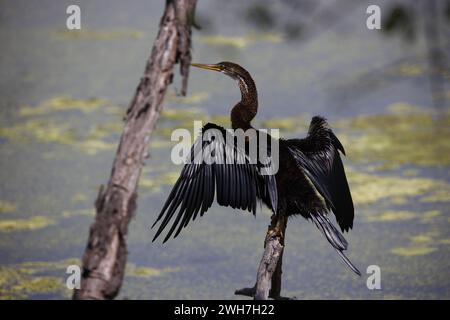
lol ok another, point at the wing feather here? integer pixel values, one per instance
(236, 183)
(318, 156)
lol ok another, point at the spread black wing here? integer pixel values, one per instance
(212, 171)
(318, 156)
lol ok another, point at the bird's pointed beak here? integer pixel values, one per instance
(214, 67)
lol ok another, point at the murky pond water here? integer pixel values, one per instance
(62, 98)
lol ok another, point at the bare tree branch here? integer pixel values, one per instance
(268, 278)
(106, 251)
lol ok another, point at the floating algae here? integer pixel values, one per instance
(193, 98)
(428, 216)
(80, 212)
(399, 138)
(155, 183)
(407, 69)
(442, 195)
(25, 280)
(147, 272)
(85, 34)
(393, 216)
(421, 244)
(287, 125)
(34, 223)
(240, 42)
(62, 103)
(7, 207)
(413, 251)
(79, 197)
(52, 131)
(370, 188)
(22, 281)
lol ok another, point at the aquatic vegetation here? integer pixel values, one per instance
(402, 215)
(395, 139)
(421, 244)
(424, 238)
(393, 216)
(34, 223)
(147, 272)
(57, 104)
(38, 129)
(80, 212)
(370, 188)
(287, 125)
(85, 34)
(22, 281)
(79, 197)
(240, 42)
(7, 207)
(428, 216)
(407, 69)
(413, 251)
(193, 98)
(52, 131)
(441, 195)
(155, 183)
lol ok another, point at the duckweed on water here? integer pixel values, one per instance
(21, 281)
(80, 212)
(51, 131)
(413, 251)
(437, 196)
(34, 223)
(370, 188)
(240, 42)
(399, 138)
(79, 197)
(147, 272)
(57, 104)
(24, 280)
(287, 125)
(193, 98)
(7, 207)
(85, 34)
(154, 184)
(407, 69)
(393, 216)
(421, 244)
(403, 215)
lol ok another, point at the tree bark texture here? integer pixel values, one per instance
(105, 255)
(268, 278)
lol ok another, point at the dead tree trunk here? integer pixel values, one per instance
(268, 279)
(106, 251)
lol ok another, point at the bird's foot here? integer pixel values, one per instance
(274, 233)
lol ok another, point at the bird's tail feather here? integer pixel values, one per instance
(334, 237)
(348, 262)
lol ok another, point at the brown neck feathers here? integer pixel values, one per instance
(245, 110)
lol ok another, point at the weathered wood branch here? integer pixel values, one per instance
(106, 251)
(268, 279)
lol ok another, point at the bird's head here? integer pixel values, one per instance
(231, 69)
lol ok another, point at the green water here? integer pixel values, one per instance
(62, 98)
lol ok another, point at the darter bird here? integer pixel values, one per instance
(310, 180)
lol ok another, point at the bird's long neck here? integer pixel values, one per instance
(245, 110)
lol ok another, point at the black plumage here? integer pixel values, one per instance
(310, 180)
